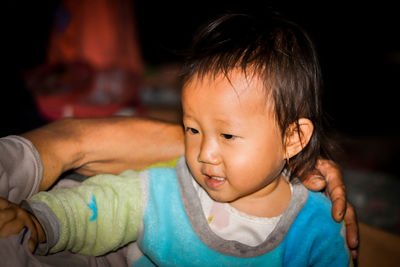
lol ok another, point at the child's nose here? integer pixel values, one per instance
(209, 153)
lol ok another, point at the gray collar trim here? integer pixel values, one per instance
(195, 214)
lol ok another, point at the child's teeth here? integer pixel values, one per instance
(218, 178)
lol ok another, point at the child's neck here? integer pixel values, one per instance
(271, 204)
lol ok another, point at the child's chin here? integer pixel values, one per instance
(219, 198)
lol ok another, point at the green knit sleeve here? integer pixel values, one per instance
(98, 216)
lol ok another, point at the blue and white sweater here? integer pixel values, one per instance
(157, 214)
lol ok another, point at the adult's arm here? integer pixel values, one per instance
(103, 145)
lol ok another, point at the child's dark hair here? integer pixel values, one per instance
(280, 53)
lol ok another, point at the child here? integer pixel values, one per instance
(252, 121)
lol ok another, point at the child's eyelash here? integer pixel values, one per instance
(228, 136)
(225, 136)
(192, 130)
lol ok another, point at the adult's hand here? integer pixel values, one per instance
(13, 219)
(328, 178)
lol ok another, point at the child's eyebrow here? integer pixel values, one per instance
(227, 123)
(186, 116)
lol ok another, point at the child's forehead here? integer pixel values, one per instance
(235, 87)
(240, 81)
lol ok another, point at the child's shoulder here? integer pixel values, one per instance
(318, 205)
(162, 174)
(313, 213)
(321, 237)
(166, 168)
(316, 221)
(323, 203)
(317, 213)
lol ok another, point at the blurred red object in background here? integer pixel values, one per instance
(76, 90)
(94, 64)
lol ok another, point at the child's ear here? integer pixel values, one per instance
(297, 136)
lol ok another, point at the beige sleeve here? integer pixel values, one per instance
(21, 169)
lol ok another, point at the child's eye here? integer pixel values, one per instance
(192, 130)
(228, 136)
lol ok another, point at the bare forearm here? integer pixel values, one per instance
(115, 144)
(106, 145)
(57, 144)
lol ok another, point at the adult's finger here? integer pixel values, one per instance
(28, 221)
(34, 239)
(339, 203)
(335, 188)
(352, 233)
(314, 181)
(32, 243)
(11, 227)
(6, 216)
(4, 203)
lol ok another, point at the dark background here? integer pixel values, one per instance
(357, 44)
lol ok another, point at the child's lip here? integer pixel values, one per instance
(213, 175)
(217, 178)
(214, 181)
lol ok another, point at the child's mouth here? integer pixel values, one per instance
(214, 182)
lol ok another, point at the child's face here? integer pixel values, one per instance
(233, 144)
